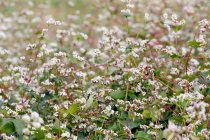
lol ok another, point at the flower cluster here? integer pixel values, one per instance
(128, 69)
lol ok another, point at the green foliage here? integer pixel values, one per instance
(194, 44)
(104, 69)
(178, 28)
(118, 94)
(11, 126)
(143, 136)
(72, 110)
(38, 135)
(157, 72)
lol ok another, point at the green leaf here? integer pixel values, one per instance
(157, 72)
(81, 136)
(117, 94)
(19, 125)
(128, 49)
(115, 86)
(155, 114)
(207, 99)
(142, 135)
(175, 56)
(201, 126)
(178, 119)
(124, 115)
(1, 121)
(113, 126)
(135, 124)
(131, 94)
(39, 134)
(168, 115)
(55, 127)
(194, 44)
(38, 32)
(177, 28)
(146, 114)
(89, 102)
(73, 109)
(9, 127)
(56, 123)
(41, 38)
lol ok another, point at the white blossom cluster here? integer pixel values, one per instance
(104, 69)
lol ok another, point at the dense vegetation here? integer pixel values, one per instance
(104, 69)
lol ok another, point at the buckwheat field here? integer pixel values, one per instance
(104, 69)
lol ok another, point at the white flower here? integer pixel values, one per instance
(174, 17)
(65, 135)
(194, 62)
(26, 118)
(173, 127)
(147, 16)
(174, 71)
(26, 131)
(41, 120)
(49, 135)
(126, 12)
(74, 137)
(52, 21)
(36, 124)
(35, 116)
(108, 111)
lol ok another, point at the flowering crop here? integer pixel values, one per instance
(104, 69)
